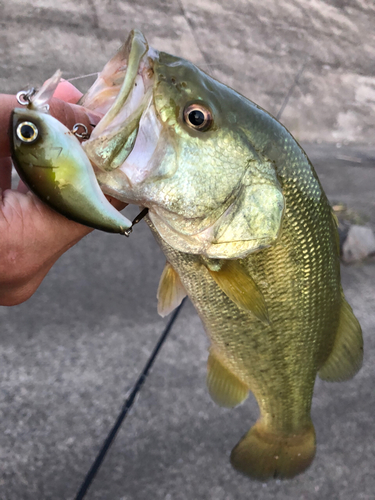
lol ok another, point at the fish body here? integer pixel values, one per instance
(248, 234)
(278, 362)
(310, 325)
(51, 162)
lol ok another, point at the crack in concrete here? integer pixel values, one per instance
(191, 29)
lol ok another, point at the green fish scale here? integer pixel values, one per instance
(300, 281)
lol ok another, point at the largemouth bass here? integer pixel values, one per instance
(248, 235)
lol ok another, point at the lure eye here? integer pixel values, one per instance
(27, 132)
(198, 117)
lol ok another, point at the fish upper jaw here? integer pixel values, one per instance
(115, 136)
(134, 54)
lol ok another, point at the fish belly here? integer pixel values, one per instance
(278, 361)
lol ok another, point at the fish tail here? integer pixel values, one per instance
(263, 454)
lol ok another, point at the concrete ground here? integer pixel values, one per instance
(71, 353)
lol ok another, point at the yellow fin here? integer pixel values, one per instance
(170, 291)
(263, 454)
(347, 353)
(337, 237)
(224, 387)
(241, 288)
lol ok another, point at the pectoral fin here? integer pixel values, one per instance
(224, 387)
(346, 357)
(240, 287)
(170, 292)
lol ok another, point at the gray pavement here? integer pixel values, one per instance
(71, 353)
(256, 47)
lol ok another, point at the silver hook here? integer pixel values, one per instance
(83, 135)
(24, 96)
(136, 220)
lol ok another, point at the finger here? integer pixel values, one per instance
(22, 188)
(70, 114)
(116, 203)
(67, 92)
(7, 104)
(5, 173)
(65, 112)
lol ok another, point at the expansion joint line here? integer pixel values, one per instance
(126, 407)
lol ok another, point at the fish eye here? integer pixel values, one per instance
(198, 117)
(27, 132)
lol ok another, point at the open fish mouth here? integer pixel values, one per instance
(124, 92)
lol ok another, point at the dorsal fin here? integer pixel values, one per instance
(170, 291)
(240, 287)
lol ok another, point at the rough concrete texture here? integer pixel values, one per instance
(256, 47)
(69, 355)
(359, 244)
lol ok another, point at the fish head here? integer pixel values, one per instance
(177, 142)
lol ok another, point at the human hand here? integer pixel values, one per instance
(32, 235)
